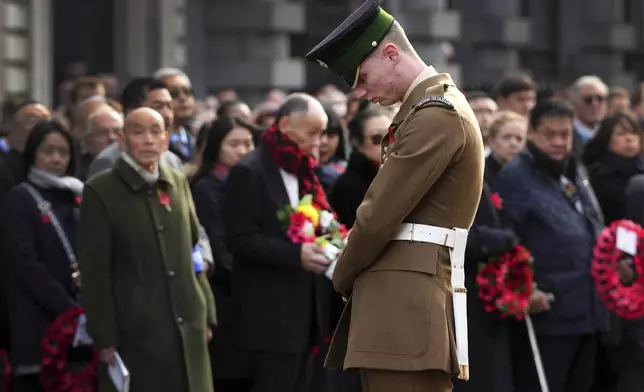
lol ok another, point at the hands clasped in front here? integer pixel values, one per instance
(313, 258)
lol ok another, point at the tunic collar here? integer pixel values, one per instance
(430, 86)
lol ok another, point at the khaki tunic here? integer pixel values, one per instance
(400, 311)
(139, 288)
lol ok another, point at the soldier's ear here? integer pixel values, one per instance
(391, 51)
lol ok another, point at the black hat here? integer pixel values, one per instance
(349, 44)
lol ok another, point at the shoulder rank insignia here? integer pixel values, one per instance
(442, 101)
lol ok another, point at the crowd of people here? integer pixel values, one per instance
(90, 217)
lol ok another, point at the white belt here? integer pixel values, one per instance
(456, 240)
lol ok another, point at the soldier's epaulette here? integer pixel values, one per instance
(430, 101)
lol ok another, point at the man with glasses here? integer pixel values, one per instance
(182, 138)
(26, 117)
(588, 96)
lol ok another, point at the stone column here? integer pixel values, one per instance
(495, 35)
(15, 34)
(431, 26)
(131, 39)
(41, 67)
(172, 33)
(605, 40)
(248, 46)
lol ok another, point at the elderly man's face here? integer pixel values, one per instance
(591, 104)
(82, 115)
(183, 98)
(306, 129)
(145, 137)
(104, 130)
(24, 121)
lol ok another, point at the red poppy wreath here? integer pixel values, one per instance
(627, 301)
(505, 284)
(55, 374)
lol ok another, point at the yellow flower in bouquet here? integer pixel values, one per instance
(306, 208)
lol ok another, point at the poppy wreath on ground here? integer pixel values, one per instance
(56, 375)
(505, 283)
(625, 301)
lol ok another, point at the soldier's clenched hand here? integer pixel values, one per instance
(313, 259)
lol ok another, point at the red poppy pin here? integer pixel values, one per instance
(164, 199)
(390, 132)
(496, 201)
(45, 219)
(78, 200)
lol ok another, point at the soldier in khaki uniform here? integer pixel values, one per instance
(405, 324)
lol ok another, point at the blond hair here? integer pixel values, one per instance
(504, 117)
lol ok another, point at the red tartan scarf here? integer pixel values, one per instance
(291, 159)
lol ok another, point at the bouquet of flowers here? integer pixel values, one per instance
(308, 223)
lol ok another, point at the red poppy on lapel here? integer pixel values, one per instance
(164, 199)
(497, 201)
(45, 219)
(390, 132)
(77, 199)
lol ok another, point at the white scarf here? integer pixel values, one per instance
(48, 181)
(150, 178)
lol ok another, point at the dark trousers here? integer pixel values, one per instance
(332, 380)
(568, 361)
(233, 385)
(280, 372)
(29, 383)
(630, 378)
(397, 381)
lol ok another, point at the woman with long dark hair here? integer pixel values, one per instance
(227, 140)
(38, 222)
(612, 157)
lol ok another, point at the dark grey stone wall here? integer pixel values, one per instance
(254, 45)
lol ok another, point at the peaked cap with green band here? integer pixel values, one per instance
(349, 44)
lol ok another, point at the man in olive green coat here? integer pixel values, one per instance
(141, 294)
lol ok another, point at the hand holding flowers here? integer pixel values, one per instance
(321, 235)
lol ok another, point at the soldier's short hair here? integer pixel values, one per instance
(398, 37)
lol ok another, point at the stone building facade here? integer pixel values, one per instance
(255, 45)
